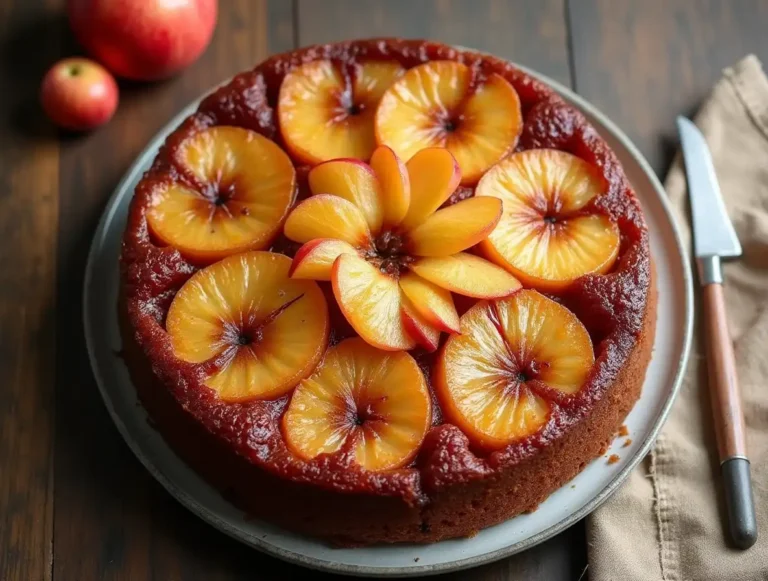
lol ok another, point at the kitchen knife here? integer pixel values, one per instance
(714, 239)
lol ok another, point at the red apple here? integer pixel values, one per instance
(79, 94)
(143, 39)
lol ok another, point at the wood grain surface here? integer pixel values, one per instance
(29, 177)
(643, 63)
(75, 505)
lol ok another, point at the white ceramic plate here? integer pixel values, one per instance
(564, 508)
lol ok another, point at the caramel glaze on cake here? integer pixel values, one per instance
(449, 490)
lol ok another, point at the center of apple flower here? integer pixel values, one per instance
(389, 245)
(388, 253)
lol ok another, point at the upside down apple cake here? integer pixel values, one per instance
(386, 291)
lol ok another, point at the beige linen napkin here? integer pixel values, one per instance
(665, 524)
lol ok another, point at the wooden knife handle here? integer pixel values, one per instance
(729, 421)
(723, 383)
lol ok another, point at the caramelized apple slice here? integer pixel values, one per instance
(468, 275)
(433, 175)
(315, 259)
(494, 379)
(326, 113)
(455, 228)
(433, 303)
(327, 216)
(354, 181)
(554, 347)
(370, 301)
(374, 401)
(265, 330)
(395, 185)
(246, 185)
(440, 104)
(418, 328)
(546, 237)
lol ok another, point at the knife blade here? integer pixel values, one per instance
(713, 233)
(714, 238)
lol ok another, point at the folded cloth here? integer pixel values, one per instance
(667, 522)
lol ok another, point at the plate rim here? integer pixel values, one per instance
(192, 504)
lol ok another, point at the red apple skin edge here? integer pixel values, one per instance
(79, 94)
(143, 40)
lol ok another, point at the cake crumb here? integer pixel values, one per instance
(623, 431)
(613, 458)
(627, 442)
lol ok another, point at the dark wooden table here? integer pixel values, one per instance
(75, 505)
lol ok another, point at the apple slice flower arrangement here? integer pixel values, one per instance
(393, 255)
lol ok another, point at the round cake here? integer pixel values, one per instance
(386, 291)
